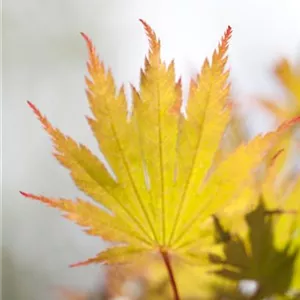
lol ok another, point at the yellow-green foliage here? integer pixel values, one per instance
(216, 215)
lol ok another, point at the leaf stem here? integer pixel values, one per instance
(167, 261)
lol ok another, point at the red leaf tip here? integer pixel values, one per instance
(24, 194)
(34, 109)
(87, 39)
(31, 105)
(143, 22)
(228, 32)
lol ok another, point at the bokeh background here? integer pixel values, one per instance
(44, 61)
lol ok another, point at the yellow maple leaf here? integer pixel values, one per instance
(264, 245)
(162, 194)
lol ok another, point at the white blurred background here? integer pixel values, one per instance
(44, 61)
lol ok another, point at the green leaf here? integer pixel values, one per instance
(255, 257)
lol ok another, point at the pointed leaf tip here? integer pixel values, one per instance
(24, 194)
(75, 265)
(225, 39)
(39, 198)
(83, 263)
(228, 32)
(47, 126)
(90, 46)
(42, 199)
(87, 39)
(29, 103)
(35, 110)
(154, 42)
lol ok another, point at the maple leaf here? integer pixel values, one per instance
(163, 192)
(257, 258)
(266, 248)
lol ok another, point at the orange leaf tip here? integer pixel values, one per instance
(39, 198)
(48, 127)
(84, 263)
(154, 42)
